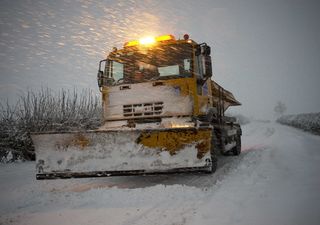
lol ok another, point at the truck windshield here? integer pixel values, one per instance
(160, 62)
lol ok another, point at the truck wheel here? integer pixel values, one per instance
(214, 160)
(214, 148)
(214, 164)
(237, 149)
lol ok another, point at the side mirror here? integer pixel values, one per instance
(203, 49)
(103, 80)
(100, 78)
(206, 50)
(198, 50)
(208, 66)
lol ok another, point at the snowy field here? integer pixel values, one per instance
(274, 181)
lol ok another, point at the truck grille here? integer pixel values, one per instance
(143, 109)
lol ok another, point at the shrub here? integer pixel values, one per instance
(307, 121)
(41, 111)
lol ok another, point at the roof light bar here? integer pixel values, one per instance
(149, 40)
(165, 38)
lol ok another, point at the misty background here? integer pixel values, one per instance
(263, 51)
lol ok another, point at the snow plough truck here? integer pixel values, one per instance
(162, 113)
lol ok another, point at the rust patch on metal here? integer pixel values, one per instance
(80, 141)
(176, 139)
(202, 147)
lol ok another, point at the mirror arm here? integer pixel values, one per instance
(204, 81)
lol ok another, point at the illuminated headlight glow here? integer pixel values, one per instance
(147, 41)
(150, 40)
(173, 124)
(181, 125)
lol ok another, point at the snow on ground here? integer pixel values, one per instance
(282, 186)
(274, 181)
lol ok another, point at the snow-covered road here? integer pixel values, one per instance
(275, 181)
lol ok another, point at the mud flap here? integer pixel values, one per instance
(125, 152)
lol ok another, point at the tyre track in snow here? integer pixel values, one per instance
(281, 188)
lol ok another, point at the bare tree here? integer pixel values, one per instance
(280, 108)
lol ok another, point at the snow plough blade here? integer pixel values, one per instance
(122, 152)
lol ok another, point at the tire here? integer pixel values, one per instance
(214, 161)
(214, 165)
(214, 148)
(237, 149)
(222, 152)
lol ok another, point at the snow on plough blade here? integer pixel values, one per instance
(122, 152)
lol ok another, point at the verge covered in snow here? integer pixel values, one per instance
(308, 121)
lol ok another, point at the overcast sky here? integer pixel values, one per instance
(263, 51)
